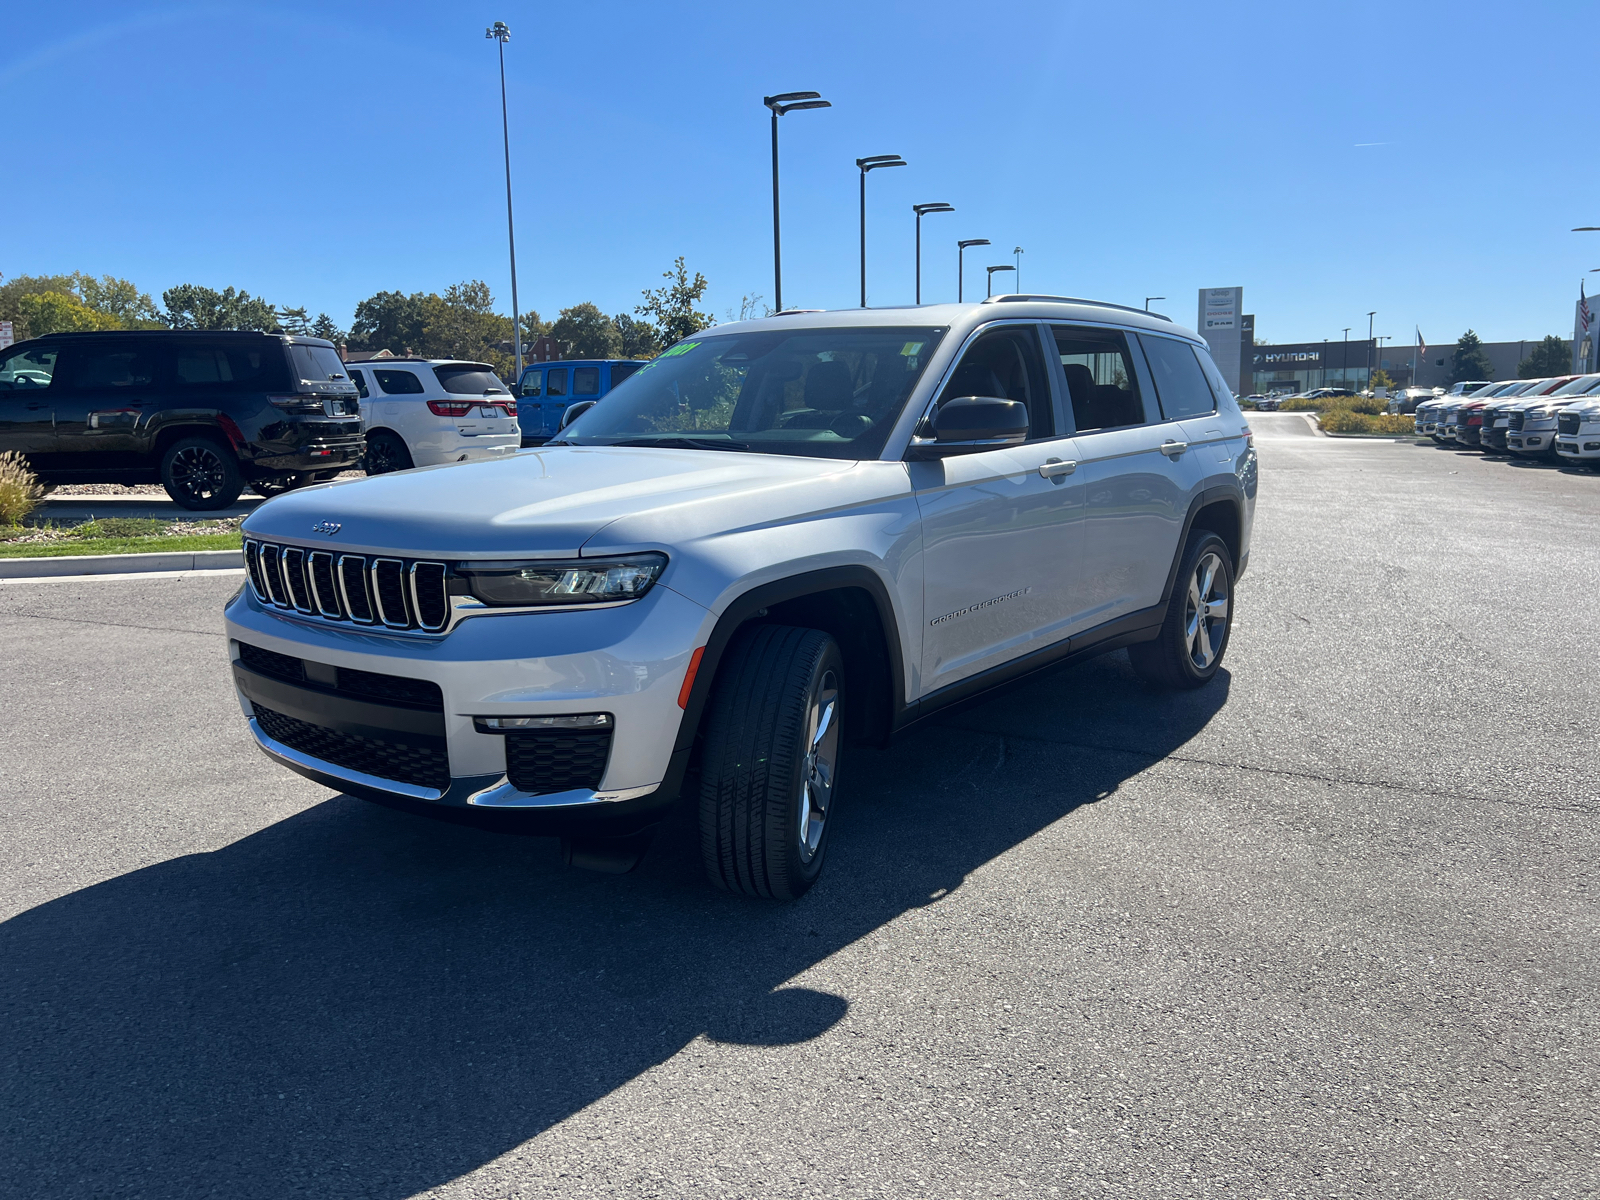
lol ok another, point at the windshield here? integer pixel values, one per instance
(470, 379)
(1581, 386)
(822, 393)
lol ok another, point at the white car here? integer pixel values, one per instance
(780, 538)
(1578, 433)
(422, 412)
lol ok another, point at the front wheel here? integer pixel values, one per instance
(199, 474)
(770, 766)
(1194, 636)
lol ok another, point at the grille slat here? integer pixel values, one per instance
(324, 588)
(399, 593)
(294, 574)
(557, 760)
(415, 760)
(398, 690)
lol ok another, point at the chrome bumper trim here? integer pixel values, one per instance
(503, 795)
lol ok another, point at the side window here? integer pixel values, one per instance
(1100, 377)
(27, 370)
(1006, 362)
(1180, 384)
(585, 381)
(112, 368)
(558, 382)
(360, 380)
(533, 383)
(398, 383)
(620, 371)
(1219, 386)
(202, 366)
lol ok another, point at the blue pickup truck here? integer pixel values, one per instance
(547, 389)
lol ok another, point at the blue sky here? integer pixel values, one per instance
(1424, 160)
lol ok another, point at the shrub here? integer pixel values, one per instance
(19, 489)
(1347, 420)
(1301, 405)
(120, 527)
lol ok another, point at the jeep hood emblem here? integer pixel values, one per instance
(328, 527)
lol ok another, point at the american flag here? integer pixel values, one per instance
(1583, 308)
(1422, 346)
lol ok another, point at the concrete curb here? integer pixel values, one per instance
(119, 564)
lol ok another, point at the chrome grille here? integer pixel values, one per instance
(398, 593)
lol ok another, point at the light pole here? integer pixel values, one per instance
(871, 163)
(961, 266)
(921, 210)
(498, 32)
(1147, 300)
(992, 270)
(1370, 315)
(1344, 358)
(1016, 253)
(783, 103)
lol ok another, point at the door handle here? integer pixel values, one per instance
(1174, 450)
(1054, 468)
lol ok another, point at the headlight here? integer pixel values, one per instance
(573, 581)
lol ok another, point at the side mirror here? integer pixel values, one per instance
(969, 424)
(574, 411)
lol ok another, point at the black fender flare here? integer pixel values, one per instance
(1232, 494)
(749, 606)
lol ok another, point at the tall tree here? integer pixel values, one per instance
(1469, 360)
(671, 309)
(189, 306)
(533, 328)
(391, 321)
(55, 312)
(635, 339)
(118, 298)
(114, 298)
(323, 327)
(583, 331)
(1552, 356)
(294, 320)
(465, 325)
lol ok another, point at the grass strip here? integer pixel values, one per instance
(133, 545)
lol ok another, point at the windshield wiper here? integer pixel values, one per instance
(682, 443)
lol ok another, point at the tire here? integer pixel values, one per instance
(386, 452)
(1187, 652)
(200, 474)
(770, 760)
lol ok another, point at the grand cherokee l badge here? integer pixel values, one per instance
(328, 527)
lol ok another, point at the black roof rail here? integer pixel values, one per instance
(1017, 299)
(100, 333)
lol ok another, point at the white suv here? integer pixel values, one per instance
(421, 412)
(778, 538)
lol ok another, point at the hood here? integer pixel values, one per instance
(545, 503)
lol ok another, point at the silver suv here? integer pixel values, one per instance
(777, 539)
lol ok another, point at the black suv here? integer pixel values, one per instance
(204, 413)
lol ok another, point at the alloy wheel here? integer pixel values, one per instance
(1205, 624)
(821, 761)
(199, 472)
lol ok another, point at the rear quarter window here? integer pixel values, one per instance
(1180, 383)
(398, 383)
(231, 367)
(585, 381)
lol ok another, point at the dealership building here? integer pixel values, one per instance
(1337, 362)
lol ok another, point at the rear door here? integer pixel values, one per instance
(27, 412)
(555, 399)
(1138, 471)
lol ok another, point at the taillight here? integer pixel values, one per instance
(1249, 437)
(509, 405)
(450, 408)
(303, 402)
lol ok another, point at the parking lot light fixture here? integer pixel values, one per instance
(871, 163)
(992, 270)
(1147, 300)
(784, 102)
(1370, 315)
(922, 210)
(498, 32)
(1016, 254)
(961, 266)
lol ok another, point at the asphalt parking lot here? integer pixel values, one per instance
(1326, 928)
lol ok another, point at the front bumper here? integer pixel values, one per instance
(1581, 446)
(1531, 441)
(628, 661)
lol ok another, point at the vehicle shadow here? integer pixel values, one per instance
(360, 1002)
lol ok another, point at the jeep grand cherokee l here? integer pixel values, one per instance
(203, 413)
(779, 538)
